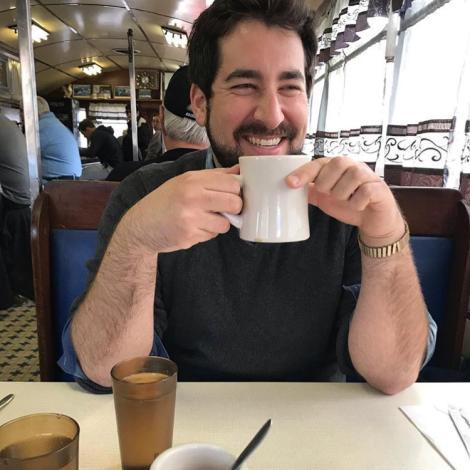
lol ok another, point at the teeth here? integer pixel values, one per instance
(264, 142)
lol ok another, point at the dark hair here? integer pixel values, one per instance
(86, 123)
(223, 16)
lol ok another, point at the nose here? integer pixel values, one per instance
(269, 109)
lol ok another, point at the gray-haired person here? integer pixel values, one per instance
(180, 132)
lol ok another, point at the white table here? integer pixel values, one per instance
(314, 426)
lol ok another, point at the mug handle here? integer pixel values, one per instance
(235, 219)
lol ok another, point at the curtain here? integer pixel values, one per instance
(112, 111)
(352, 116)
(426, 121)
(342, 24)
(400, 105)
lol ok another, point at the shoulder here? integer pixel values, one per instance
(143, 181)
(155, 174)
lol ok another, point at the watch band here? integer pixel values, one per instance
(386, 250)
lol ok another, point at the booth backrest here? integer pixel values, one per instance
(65, 218)
(70, 250)
(440, 227)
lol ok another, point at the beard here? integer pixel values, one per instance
(228, 156)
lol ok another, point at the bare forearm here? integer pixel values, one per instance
(388, 332)
(115, 320)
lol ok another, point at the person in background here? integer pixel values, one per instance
(180, 131)
(144, 135)
(15, 216)
(172, 277)
(60, 157)
(155, 148)
(102, 144)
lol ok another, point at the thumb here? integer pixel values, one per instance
(233, 170)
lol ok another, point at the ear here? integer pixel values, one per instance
(162, 119)
(198, 104)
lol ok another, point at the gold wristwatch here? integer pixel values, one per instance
(387, 250)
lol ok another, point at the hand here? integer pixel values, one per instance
(185, 210)
(352, 193)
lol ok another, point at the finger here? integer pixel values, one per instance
(365, 195)
(306, 173)
(218, 201)
(213, 180)
(330, 174)
(214, 223)
(223, 181)
(351, 180)
(235, 169)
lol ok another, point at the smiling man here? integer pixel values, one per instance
(172, 277)
(257, 104)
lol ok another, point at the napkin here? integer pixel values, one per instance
(436, 424)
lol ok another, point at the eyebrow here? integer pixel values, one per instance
(292, 75)
(254, 74)
(243, 73)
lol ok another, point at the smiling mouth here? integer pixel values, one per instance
(264, 142)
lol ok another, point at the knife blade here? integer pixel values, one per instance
(462, 428)
(5, 400)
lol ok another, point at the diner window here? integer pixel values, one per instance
(397, 101)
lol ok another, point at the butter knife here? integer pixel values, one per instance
(5, 400)
(462, 428)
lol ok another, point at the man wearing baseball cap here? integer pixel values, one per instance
(181, 133)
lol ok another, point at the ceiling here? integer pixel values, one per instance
(83, 30)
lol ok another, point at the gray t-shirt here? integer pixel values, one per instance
(228, 309)
(14, 174)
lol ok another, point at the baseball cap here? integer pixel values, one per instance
(177, 99)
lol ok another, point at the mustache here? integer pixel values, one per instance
(259, 129)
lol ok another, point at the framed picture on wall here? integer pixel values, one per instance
(104, 92)
(122, 91)
(80, 90)
(144, 94)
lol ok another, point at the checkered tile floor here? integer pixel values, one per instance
(19, 359)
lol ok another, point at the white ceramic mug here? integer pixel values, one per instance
(272, 211)
(195, 457)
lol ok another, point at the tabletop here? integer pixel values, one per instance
(314, 425)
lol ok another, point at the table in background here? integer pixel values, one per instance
(314, 425)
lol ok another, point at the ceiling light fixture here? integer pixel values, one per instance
(124, 2)
(91, 69)
(175, 37)
(38, 33)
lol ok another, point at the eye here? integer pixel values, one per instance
(292, 89)
(244, 88)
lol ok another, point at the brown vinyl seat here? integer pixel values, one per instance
(66, 216)
(63, 232)
(439, 223)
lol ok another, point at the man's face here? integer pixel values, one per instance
(156, 122)
(259, 100)
(87, 132)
